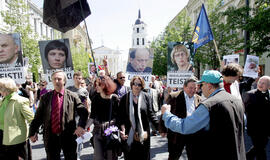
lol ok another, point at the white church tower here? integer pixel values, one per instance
(139, 33)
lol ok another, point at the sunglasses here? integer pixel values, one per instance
(42, 85)
(137, 84)
(122, 77)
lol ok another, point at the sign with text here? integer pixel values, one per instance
(146, 77)
(177, 79)
(15, 73)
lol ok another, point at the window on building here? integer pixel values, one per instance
(138, 41)
(138, 30)
(143, 41)
(142, 28)
(41, 29)
(52, 36)
(35, 24)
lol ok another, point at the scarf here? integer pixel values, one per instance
(132, 120)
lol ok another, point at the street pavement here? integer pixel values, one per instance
(158, 150)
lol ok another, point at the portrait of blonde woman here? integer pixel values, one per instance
(15, 117)
(180, 59)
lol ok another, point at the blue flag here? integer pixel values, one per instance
(202, 33)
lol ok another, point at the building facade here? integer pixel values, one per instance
(117, 60)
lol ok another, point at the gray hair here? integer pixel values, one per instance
(8, 85)
(60, 71)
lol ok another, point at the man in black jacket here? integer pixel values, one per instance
(56, 112)
(257, 106)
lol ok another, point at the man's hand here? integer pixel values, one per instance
(79, 131)
(122, 132)
(165, 108)
(34, 138)
(105, 61)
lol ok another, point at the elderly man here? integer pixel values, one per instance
(219, 121)
(183, 104)
(138, 60)
(9, 51)
(56, 112)
(257, 103)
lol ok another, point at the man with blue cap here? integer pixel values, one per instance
(219, 119)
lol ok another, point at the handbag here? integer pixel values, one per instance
(113, 140)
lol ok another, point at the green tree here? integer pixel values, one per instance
(257, 23)
(17, 21)
(80, 59)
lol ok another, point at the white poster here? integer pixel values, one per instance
(251, 66)
(15, 73)
(177, 79)
(146, 77)
(234, 58)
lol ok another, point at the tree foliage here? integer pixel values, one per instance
(80, 59)
(17, 21)
(257, 23)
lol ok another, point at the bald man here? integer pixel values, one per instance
(138, 61)
(257, 102)
(9, 51)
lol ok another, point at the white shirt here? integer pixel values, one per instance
(190, 105)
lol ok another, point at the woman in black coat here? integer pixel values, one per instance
(135, 113)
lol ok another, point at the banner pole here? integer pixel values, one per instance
(218, 55)
(88, 37)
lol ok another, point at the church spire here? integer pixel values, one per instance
(139, 16)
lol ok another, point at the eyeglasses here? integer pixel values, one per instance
(137, 84)
(122, 77)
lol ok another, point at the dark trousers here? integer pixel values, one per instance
(58, 142)
(138, 151)
(13, 152)
(259, 148)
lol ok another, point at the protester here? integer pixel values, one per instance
(121, 90)
(15, 117)
(100, 112)
(257, 102)
(56, 112)
(231, 74)
(83, 95)
(183, 103)
(219, 118)
(135, 113)
(138, 60)
(180, 58)
(40, 92)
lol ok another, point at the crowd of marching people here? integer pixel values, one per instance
(211, 118)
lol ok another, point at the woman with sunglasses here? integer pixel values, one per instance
(100, 111)
(135, 113)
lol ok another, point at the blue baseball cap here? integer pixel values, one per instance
(211, 76)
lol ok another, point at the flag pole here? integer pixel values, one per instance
(218, 55)
(88, 37)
